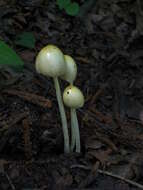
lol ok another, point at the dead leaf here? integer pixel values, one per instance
(100, 155)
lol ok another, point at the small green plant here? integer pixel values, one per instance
(26, 39)
(9, 58)
(71, 8)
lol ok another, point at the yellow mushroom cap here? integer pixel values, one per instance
(50, 61)
(71, 69)
(73, 97)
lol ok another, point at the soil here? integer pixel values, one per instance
(106, 41)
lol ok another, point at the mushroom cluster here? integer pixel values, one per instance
(51, 62)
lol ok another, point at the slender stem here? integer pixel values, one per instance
(76, 129)
(63, 115)
(73, 138)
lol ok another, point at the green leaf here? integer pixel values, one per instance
(72, 9)
(8, 57)
(26, 39)
(63, 3)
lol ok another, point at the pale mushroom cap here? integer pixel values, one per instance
(50, 61)
(73, 97)
(71, 69)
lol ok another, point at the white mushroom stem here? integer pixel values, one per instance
(73, 126)
(63, 115)
(75, 131)
(73, 138)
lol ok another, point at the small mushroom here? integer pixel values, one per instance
(50, 63)
(71, 69)
(74, 99)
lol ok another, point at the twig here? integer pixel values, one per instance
(26, 138)
(33, 98)
(14, 121)
(121, 178)
(10, 182)
(109, 174)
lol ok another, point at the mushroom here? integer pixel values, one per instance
(74, 99)
(50, 62)
(69, 76)
(71, 69)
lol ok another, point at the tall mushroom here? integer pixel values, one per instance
(69, 76)
(51, 63)
(74, 99)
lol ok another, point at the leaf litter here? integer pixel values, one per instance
(106, 41)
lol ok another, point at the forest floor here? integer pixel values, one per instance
(106, 41)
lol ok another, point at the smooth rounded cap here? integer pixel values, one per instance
(71, 69)
(50, 61)
(73, 97)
